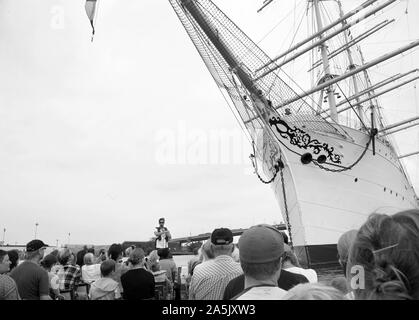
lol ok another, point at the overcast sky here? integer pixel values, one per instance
(100, 139)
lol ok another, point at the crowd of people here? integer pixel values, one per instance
(380, 261)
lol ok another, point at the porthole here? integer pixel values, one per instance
(356, 179)
(385, 189)
(391, 191)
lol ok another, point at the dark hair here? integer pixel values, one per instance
(106, 267)
(55, 252)
(387, 248)
(3, 254)
(163, 253)
(64, 255)
(114, 251)
(284, 235)
(48, 261)
(14, 258)
(260, 271)
(162, 219)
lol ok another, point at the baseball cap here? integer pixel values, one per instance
(261, 244)
(221, 236)
(35, 245)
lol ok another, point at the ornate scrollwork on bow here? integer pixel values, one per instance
(303, 140)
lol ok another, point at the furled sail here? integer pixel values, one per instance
(90, 7)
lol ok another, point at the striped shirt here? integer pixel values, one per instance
(211, 277)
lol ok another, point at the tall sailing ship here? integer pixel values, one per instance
(326, 151)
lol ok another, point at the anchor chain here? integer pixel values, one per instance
(286, 209)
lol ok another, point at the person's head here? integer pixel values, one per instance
(102, 255)
(313, 291)
(14, 258)
(48, 261)
(386, 249)
(340, 283)
(89, 259)
(115, 252)
(161, 222)
(412, 214)
(22, 255)
(261, 249)
(206, 251)
(4, 262)
(163, 253)
(153, 256)
(222, 242)
(344, 245)
(136, 257)
(107, 267)
(55, 252)
(66, 256)
(289, 258)
(128, 251)
(35, 250)
(236, 254)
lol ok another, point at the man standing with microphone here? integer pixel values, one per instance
(163, 235)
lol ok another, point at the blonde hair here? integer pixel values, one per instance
(88, 258)
(314, 291)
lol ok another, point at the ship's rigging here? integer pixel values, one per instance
(252, 80)
(282, 119)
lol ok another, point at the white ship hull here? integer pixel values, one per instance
(323, 205)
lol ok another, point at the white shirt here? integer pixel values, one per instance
(310, 274)
(163, 242)
(90, 273)
(263, 293)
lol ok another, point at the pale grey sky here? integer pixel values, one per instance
(88, 130)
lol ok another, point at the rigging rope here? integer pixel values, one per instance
(352, 107)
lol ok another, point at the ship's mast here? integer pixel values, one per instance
(351, 65)
(326, 64)
(371, 92)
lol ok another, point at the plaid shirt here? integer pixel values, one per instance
(69, 276)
